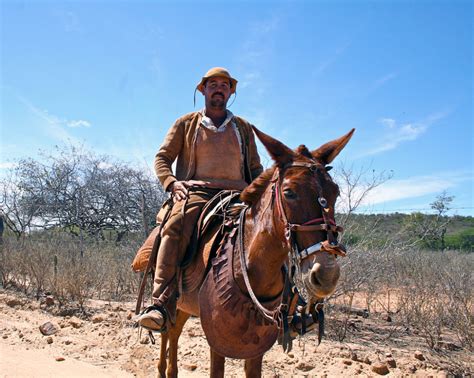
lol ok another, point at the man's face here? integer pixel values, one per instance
(217, 92)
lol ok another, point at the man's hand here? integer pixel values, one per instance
(179, 189)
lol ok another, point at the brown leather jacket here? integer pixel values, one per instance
(180, 141)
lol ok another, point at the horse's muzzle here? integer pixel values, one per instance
(322, 279)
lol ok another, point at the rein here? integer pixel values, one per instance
(273, 316)
(290, 296)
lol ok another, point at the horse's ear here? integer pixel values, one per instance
(328, 152)
(277, 150)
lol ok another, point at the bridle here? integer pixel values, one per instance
(291, 298)
(325, 223)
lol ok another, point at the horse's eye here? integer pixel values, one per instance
(327, 168)
(289, 194)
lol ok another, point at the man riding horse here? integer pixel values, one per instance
(215, 150)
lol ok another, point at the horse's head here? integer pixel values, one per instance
(305, 197)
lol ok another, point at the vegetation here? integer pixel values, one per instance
(80, 193)
(74, 221)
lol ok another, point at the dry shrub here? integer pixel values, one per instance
(433, 290)
(56, 265)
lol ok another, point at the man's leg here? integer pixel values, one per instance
(176, 235)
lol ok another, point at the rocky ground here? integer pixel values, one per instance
(103, 342)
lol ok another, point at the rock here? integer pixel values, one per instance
(67, 342)
(347, 362)
(380, 368)
(14, 302)
(59, 359)
(4, 336)
(75, 322)
(391, 362)
(345, 354)
(388, 355)
(419, 356)
(291, 355)
(20, 335)
(189, 367)
(49, 340)
(129, 315)
(354, 356)
(412, 369)
(48, 329)
(449, 346)
(49, 300)
(97, 319)
(304, 366)
(388, 319)
(367, 360)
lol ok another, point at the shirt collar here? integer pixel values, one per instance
(207, 122)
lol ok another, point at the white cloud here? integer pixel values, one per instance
(388, 122)
(379, 82)
(79, 123)
(248, 79)
(256, 49)
(7, 165)
(412, 187)
(69, 20)
(399, 133)
(54, 125)
(325, 64)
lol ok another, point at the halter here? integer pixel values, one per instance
(325, 223)
(279, 315)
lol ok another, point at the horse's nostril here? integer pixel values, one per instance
(314, 280)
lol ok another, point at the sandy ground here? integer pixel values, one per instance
(104, 343)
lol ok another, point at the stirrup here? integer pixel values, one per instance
(149, 309)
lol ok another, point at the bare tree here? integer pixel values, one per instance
(355, 184)
(80, 192)
(18, 209)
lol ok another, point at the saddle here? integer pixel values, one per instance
(222, 209)
(217, 218)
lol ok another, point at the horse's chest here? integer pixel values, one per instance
(229, 319)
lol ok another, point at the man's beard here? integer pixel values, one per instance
(218, 102)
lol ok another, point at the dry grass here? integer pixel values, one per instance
(427, 293)
(57, 266)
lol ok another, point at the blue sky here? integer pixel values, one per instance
(115, 75)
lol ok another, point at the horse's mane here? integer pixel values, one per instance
(254, 191)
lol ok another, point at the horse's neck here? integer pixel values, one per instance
(265, 247)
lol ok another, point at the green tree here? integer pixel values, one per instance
(429, 230)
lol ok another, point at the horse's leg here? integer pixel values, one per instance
(217, 365)
(173, 336)
(253, 367)
(162, 361)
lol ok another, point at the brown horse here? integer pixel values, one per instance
(289, 222)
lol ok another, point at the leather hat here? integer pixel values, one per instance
(220, 72)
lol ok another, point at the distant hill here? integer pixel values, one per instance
(459, 230)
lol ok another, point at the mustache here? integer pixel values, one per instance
(218, 93)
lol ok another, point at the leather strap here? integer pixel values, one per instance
(273, 316)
